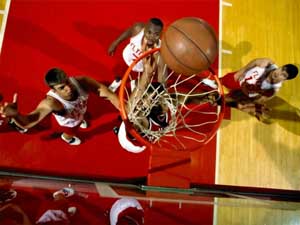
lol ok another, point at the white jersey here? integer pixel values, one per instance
(133, 50)
(119, 206)
(254, 77)
(75, 110)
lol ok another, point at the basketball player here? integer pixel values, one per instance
(143, 37)
(66, 100)
(251, 86)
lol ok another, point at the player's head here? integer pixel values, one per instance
(58, 80)
(153, 31)
(159, 116)
(291, 70)
(286, 72)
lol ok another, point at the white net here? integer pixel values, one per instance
(180, 113)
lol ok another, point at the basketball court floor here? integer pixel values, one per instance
(75, 35)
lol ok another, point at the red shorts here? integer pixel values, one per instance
(229, 82)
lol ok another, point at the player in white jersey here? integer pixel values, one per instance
(251, 86)
(67, 100)
(142, 38)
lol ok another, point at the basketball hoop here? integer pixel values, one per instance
(194, 111)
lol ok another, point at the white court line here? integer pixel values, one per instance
(227, 4)
(4, 21)
(219, 75)
(215, 213)
(2, 11)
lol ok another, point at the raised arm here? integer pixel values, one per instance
(43, 109)
(261, 62)
(130, 32)
(99, 89)
(161, 69)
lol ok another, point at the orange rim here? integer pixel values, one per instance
(123, 112)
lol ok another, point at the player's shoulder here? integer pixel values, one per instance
(137, 28)
(50, 102)
(139, 25)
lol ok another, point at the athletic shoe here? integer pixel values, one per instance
(67, 192)
(115, 84)
(210, 83)
(7, 196)
(73, 141)
(83, 124)
(15, 126)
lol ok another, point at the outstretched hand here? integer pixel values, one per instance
(9, 109)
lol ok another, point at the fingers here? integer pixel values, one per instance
(2, 110)
(15, 98)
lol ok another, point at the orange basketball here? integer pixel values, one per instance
(189, 45)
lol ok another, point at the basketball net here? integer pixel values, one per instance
(194, 111)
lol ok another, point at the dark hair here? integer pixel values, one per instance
(156, 22)
(55, 76)
(291, 69)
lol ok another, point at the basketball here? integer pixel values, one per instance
(189, 45)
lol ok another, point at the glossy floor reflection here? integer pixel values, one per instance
(28, 201)
(43, 201)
